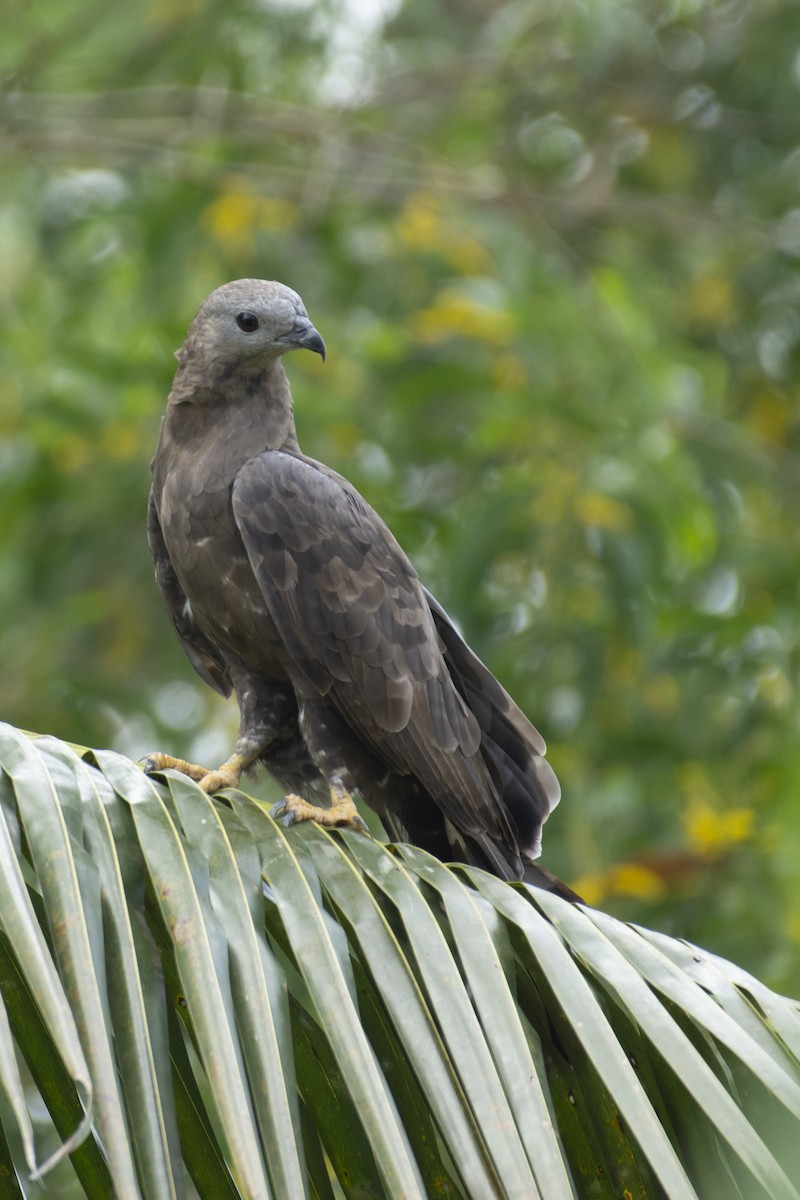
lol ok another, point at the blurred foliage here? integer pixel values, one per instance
(553, 249)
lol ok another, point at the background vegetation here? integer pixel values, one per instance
(553, 250)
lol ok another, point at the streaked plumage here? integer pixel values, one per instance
(285, 587)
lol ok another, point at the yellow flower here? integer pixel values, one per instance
(710, 827)
(632, 879)
(602, 511)
(120, 441)
(710, 831)
(509, 374)
(623, 879)
(593, 887)
(455, 314)
(238, 213)
(423, 224)
(72, 452)
(662, 695)
(770, 415)
(711, 299)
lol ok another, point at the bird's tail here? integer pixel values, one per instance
(511, 748)
(540, 877)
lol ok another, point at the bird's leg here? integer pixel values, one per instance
(262, 717)
(227, 775)
(342, 809)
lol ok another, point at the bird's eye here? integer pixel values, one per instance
(247, 322)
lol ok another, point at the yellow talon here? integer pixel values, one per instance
(342, 811)
(165, 762)
(226, 776)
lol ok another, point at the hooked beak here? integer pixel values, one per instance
(304, 337)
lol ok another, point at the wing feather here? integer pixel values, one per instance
(350, 609)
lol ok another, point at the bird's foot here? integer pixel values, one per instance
(165, 762)
(294, 809)
(226, 776)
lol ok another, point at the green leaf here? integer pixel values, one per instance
(523, 1076)
(43, 820)
(203, 977)
(549, 958)
(412, 1022)
(152, 1119)
(255, 980)
(318, 964)
(313, 1014)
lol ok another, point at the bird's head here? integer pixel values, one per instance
(250, 321)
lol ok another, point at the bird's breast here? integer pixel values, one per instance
(214, 570)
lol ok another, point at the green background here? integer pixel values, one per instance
(553, 249)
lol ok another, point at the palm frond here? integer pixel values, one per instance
(201, 1003)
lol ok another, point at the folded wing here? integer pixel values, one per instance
(360, 631)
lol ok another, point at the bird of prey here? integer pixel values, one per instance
(285, 587)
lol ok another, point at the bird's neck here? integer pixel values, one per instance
(255, 407)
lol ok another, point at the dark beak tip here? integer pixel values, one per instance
(304, 337)
(314, 342)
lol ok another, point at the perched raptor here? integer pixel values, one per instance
(285, 587)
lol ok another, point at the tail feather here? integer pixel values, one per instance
(511, 746)
(540, 877)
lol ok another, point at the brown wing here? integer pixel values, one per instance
(203, 656)
(353, 615)
(511, 746)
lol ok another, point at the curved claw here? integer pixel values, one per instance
(156, 762)
(294, 809)
(226, 776)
